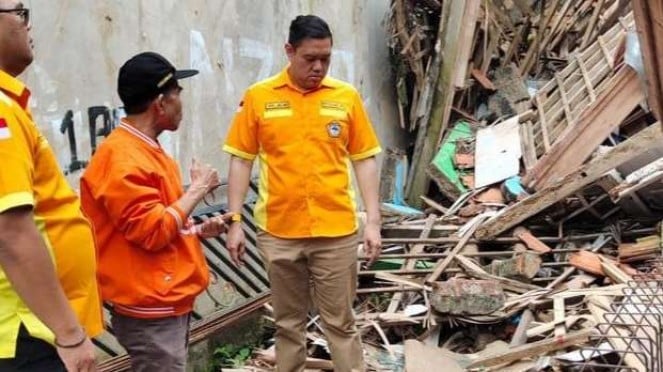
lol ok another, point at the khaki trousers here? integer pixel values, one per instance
(329, 265)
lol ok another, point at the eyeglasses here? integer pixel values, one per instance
(24, 13)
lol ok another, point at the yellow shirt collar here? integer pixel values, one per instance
(15, 88)
(283, 79)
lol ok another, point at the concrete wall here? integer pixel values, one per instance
(80, 44)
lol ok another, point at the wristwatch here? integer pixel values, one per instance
(236, 217)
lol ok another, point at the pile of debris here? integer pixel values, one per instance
(523, 226)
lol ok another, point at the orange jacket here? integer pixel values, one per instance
(150, 262)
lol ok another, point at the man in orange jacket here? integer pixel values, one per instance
(150, 263)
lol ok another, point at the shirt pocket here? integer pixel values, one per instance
(279, 131)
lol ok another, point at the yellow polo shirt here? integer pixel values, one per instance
(304, 142)
(30, 175)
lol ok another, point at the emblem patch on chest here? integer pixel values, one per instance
(334, 129)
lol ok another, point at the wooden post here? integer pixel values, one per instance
(460, 20)
(648, 15)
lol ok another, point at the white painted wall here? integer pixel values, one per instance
(80, 44)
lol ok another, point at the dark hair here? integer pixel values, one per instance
(143, 105)
(308, 27)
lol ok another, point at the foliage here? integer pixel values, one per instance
(232, 356)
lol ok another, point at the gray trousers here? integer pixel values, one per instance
(154, 345)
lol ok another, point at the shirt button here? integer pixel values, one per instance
(167, 278)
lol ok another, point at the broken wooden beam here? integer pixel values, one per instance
(640, 143)
(457, 21)
(643, 249)
(534, 349)
(442, 265)
(648, 15)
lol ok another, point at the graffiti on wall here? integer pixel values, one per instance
(101, 121)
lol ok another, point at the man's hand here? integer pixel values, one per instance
(79, 359)
(212, 227)
(235, 243)
(203, 177)
(372, 243)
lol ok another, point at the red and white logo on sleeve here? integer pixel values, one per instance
(4, 130)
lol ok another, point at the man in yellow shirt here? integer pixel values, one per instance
(306, 128)
(49, 301)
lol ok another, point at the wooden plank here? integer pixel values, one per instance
(595, 124)
(592, 23)
(465, 39)
(542, 122)
(559, 317)
(614, 272)
(648, 16)
(411, 263)
(520, 335)
(490, 50)
(533, 51)
(483, 79)
(515, 43)
(610, 60)
(640, 143)
(400, 16)
(586, 79)
(534, 349)
(528, 147)
(442, 265)
(432, 203)
(452, 29)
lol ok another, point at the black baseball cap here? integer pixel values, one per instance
(144, 77)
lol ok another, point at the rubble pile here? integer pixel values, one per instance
(522, 227)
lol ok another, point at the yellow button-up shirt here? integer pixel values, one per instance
(304, 142)
(30, 175)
